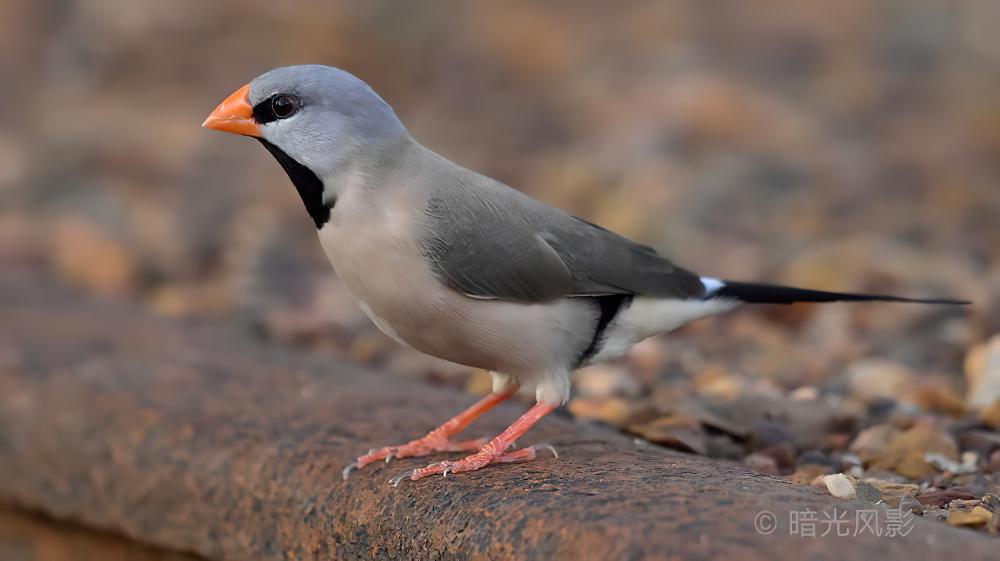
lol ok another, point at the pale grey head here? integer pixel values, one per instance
(322, 117)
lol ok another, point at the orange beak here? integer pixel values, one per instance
(234, 115)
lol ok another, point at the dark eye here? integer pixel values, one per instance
(284, 106)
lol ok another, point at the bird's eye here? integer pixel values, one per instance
(284, 106)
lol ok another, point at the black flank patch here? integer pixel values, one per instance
(309, 186)
(609, 307)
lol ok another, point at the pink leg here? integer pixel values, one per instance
(494, 451)
(439, 439)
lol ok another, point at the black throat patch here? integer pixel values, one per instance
(309, 186)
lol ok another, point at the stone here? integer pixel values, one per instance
(966, 466)
(716, 383)
(815, 457)
(868, 492)
(806, 474)
(873, 441)
(91, 258)
(892, 492)
(978, 516)
(873, 379)
(761, 463)
(840, 486)
(982, 374)
(908, 503)
(984, 442)
(804, 393)
(991, 415)
(606, 380)
(907, 451)
(612, 410)
(942, 497)
(940, 397)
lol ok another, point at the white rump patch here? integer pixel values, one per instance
(711, 284)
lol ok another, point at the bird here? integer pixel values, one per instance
(467, 269)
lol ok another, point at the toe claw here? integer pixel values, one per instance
(395, 480)
(348, 469)
(546, 446)
(446, 471)
(389, 458)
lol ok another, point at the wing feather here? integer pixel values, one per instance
(490, 241)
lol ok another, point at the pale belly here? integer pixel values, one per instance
(395, 287)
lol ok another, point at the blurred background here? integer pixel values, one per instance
(848, 145)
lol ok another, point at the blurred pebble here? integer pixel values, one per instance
(723, 446)
(716, 383)
(978, 516)
(941, 398)
(606, 380)
(366, 347)
(872, 441)
(991, 415)
(90, 257)
(612, 410)
(840, 486)
(941, 497)
(761, 463)
(908, 503)
(868, 492)
(648, 357)
(984, 442)
(891, 492)
(783, 454)
(907, 451)
(882, 407)
(967, 465)
(817, 458)
(480, 382)
(768, 433)
(21, 240)
(189, 299)
(804, 393)
(982, 374)
(806, 474)
(873, 379)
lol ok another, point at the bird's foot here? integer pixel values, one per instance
(425, 446)
(480, 459)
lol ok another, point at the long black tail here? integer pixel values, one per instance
(757, 293)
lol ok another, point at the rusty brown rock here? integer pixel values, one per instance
(27, 537)
(194, 436)
(943, 497)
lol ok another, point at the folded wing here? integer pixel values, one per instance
(490, 241)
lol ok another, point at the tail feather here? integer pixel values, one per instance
(758, 293)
